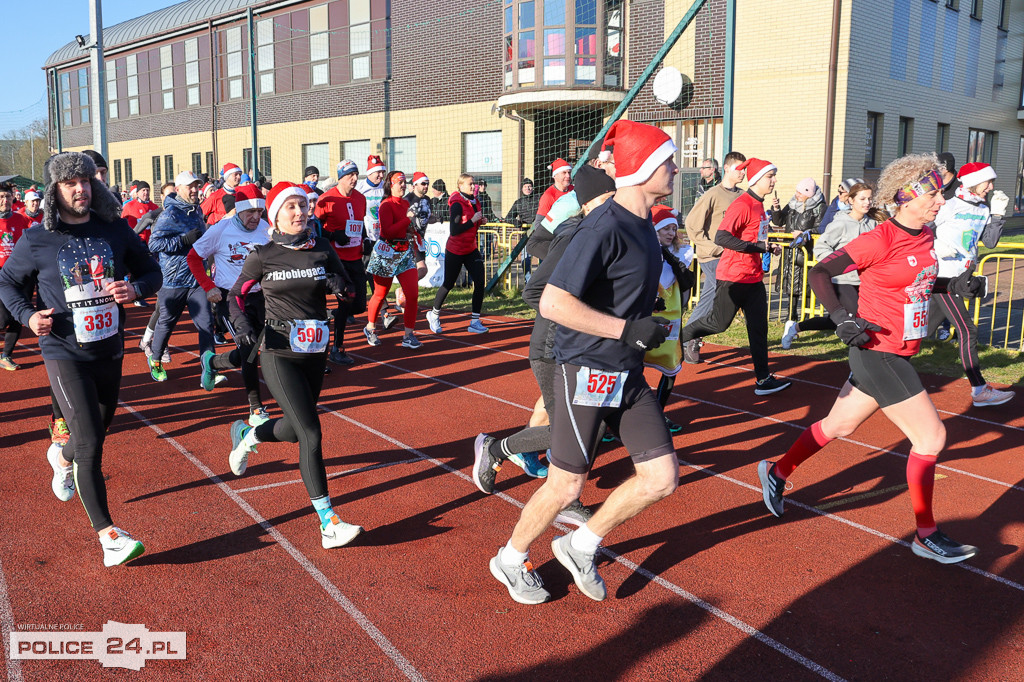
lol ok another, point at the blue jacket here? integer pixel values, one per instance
(166, 242)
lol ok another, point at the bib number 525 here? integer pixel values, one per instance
(601, 383)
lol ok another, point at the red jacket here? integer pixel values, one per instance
(11, 230)
(335, 210)
(213, 207)
(464, 242)
(37, 220)
(134, 210)
(745, 219)
(394, 219)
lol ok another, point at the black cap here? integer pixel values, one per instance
(526, 181)
(439, 185)
(97, 158)
(591, 182)
(310, 170)
(947, 160)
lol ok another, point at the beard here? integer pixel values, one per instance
(76, 210)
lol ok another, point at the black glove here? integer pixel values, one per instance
(645, 333)
(245, 337)
(191, 237)
(852, 330)
(659, 304)
(966, 285)
(337, 285)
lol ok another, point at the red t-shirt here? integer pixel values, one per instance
(897, 272)
(213, 207)
(134, 210)
(745, 218)
(343, 215)
(394, 219)
(548, 199)
(37, 220)
(10, 232)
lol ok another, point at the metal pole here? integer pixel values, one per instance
(252, 97)
(99, 81)
(33, 152)
(730, 70)
(830, 107)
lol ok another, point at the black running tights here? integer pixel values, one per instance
(453, 264)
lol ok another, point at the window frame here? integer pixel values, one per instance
(876, 123)
(905, 138)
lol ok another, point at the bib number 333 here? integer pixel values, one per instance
(598, 388)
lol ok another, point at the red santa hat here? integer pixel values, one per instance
(756, 169)
(280, 193)
(558, 166)
(639, 149)
(973, 174)
(663, 216)
(374, 163)
(228, 169)
(249, 197)
(418, 178)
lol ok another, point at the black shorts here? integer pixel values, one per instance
(886, 377)
(357, 273)
(575, 429)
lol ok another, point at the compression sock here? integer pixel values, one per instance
(323, 508)
(921, 481)
(809, 442)
(147, 336)
(585, 540)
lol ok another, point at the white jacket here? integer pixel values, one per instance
(958, 228)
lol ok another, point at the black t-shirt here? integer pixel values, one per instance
(612, 264)
(422, 207)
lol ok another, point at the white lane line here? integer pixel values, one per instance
(371, 467)
(368, 627)
(7, 626)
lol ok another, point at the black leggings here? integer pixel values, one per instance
(849, 296)
(953, 308)
(295, 383)
(12, 329)
(729, 298)
(453, 264)
(87, 393)
(238, 358)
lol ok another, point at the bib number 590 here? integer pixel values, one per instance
(309, 334)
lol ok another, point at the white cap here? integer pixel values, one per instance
(185, 178)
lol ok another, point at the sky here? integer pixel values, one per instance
(29, 38)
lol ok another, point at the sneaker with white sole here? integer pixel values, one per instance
(208, 376)
(9, 364)
(582, 567)
(119, 547)
(789, 334)
(485, 465)
(476, 327)
(530, 463)
(157, 371)
(576, 514)
(371, 336)
(522, 582)
(63, 481)
(238, 460)
(771, 384)
(166, 357)
(337, 533)
(772, 487)
(434, 321)
(989, 396)
(940, 547)
(388, 321)
(258, 416)
(410, 341)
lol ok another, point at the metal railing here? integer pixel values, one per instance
(1002, 310)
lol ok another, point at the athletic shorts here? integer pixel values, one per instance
(357, 273)
(575, 428)
(886, 377)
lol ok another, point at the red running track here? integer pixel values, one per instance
(704, 585)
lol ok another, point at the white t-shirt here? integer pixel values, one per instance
(228, 243)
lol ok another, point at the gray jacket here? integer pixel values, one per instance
(841, 231)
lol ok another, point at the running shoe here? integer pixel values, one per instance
(119, 547)
(609, 436)
(59, 431)
(157, 371)
(238, 460)
(399, 308)
(530, 463)
(940, 547)
(789, 334)
(771, 384)
(582, 567)
(942, 334)
(146, 347)
(9, 364)
(340, 357)
(434, 320)
(258, 416)
(63, 482)
(522, 582)
(140, 303)
(989, 396)
(165, 358)
(219, 379)
(772, 487)
(371, 336)
(410, 341)
(485, 465)
(208, 378)
(672, 427)
(576, 514)
(337, 533)
(691, 351)
(476, 327)
(219, 340)
(388, 321)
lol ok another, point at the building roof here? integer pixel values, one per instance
(175, 17)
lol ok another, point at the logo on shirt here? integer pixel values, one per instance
(238, 252)
(295, 273)
(920, 289)
(912, 260)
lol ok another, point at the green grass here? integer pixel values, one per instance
(503, 303)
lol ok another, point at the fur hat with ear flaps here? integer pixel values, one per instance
(67, 166)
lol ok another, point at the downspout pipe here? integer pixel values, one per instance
(830, 107)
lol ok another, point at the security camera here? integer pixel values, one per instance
(81, 41)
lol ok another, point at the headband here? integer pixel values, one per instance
(397, 178)
(929, 183)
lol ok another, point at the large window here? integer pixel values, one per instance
(873, 140)
(981, 146)
(156, 171)
(359, 38)
(976, 8)
(169, 167)
(265, 55)
(131, 64)
(192, 72)
(65, 97)
(402, 155)
(197, 163)
(358, 151)
(1018, 200)
(83, 95)
(264, 159)
(209, 164)
(117, 172)
(128, 176)
(318, 154)
(613, 44)
(110, 73)
(481, 157)
(320, 45)
(905, 143)
(942, 138)
(167, 77)
(233, 61)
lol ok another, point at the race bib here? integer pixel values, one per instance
(309, 336)
(597, 388)
(354, 229)
(915, 320)
(95, 322)
(762, 231)
(673, 330)
(383, 249)
(373, 230)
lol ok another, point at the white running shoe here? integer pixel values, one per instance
(789, 334)
(238, 460)
(63, 482)
(476, 327)
(119, 547)
(989, 396)
(434, 320)
(257, 417)
(337, 533)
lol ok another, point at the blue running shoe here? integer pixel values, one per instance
(530, 463)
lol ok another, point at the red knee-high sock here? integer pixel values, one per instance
(381, 287)
(411, 288)
(809, 442)
(921, 481)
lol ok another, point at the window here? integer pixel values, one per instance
(265, 55)
(318, 155)
(233, 60)
(65, 97)
(976, 9)
(128, 175)
(905, 143)
(953, 4)
(613, 44)
(981, 146)
(192, 72)
(83, 95)
(1018, 200)
(554, 42)
(586, 41)
(402, 154)
(358, 151)
(872, 140)
(527, 46)
(265, 168)
(132, 70)
(117, 172)
(110, 71)
(167, 77)
(319, 45)
(156, 171)
(197, 163)
(1004, 15)
(359, 37)
(169, 167)
(209, 164)
(264, 159)
(481, 157)
(942, 138)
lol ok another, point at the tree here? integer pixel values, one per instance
(23, 152)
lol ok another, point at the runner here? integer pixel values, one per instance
(12, 226)
(228, 243)
(600, 296)
(461, 250)
(33, 209)
(373, 190)
(80, 259)
(295, 271)
(138, 207)
(897, 267)
(393, 257)
(215, 207)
